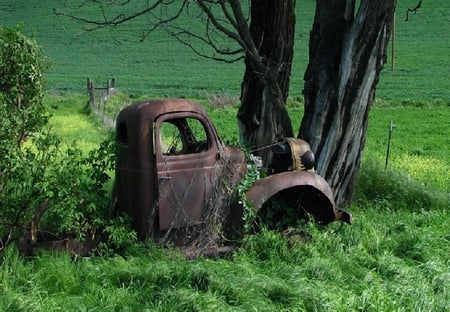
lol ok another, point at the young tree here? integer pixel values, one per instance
(22, 115)
(347, 53)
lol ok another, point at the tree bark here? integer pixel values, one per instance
(262, 116)
(347, 53)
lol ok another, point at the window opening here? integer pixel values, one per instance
(122, 133)
(185, 135)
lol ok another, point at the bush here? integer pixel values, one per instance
(22, 64)
(44, 187)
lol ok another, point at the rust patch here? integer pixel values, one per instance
(317, 197)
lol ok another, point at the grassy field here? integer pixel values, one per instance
(393, 258)
(161, 67)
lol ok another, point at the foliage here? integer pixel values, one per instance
(60, 191)
(393, 258)
(79, 201)
(22, 64)
(22, 113)
(43, 185)
(252, 175)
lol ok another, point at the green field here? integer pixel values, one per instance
(395, 257)
(161, 67)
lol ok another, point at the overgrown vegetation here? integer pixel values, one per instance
(46, 187)
(393, 258)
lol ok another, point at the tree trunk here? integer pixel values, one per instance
(262, 116)
(347, 53)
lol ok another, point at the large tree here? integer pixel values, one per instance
(347, 51)
(262, 116)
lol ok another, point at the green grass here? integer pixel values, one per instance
(393, 258)
(420, 142)
(386, 261)
(161, 67)
(71, 122)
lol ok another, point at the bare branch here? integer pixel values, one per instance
(224, 25)
(163, 22)
(119, 19)
(184, 33)
(413, 10)
(217, 25)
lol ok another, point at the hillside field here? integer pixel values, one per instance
(162, 67)
(394, 257)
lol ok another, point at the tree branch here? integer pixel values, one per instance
(163, 22)
(184, 33)
(413, 10)
(243, 28)
(119, 19)
(230, 23)
(217, 25)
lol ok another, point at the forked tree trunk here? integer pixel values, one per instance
(262, 116)
(347, 53)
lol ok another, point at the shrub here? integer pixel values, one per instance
(42, 185)
(22, 64)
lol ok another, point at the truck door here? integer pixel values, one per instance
(186, 153)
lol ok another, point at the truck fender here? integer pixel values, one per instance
(314, 193)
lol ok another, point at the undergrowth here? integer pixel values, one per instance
(393, 257)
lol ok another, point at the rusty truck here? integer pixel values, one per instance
(170, 159)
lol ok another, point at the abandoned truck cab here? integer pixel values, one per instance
(171, 157)
(169, 154)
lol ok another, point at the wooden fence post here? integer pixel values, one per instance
(103, 97)
(393, 44)
(91, 91)
(108, 87)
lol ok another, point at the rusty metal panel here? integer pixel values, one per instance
(158, 190)
(316, 196)
(134, 182)
(184, 173)
(184, 184)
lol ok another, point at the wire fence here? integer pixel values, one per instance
(102, 104)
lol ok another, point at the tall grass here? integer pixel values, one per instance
(72, 122)
(386, 261)
(393, 258)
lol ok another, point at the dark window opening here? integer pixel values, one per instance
(122, 133)
(180, 136)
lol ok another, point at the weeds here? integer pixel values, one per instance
(393, 257)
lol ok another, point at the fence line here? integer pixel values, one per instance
(99, 99)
